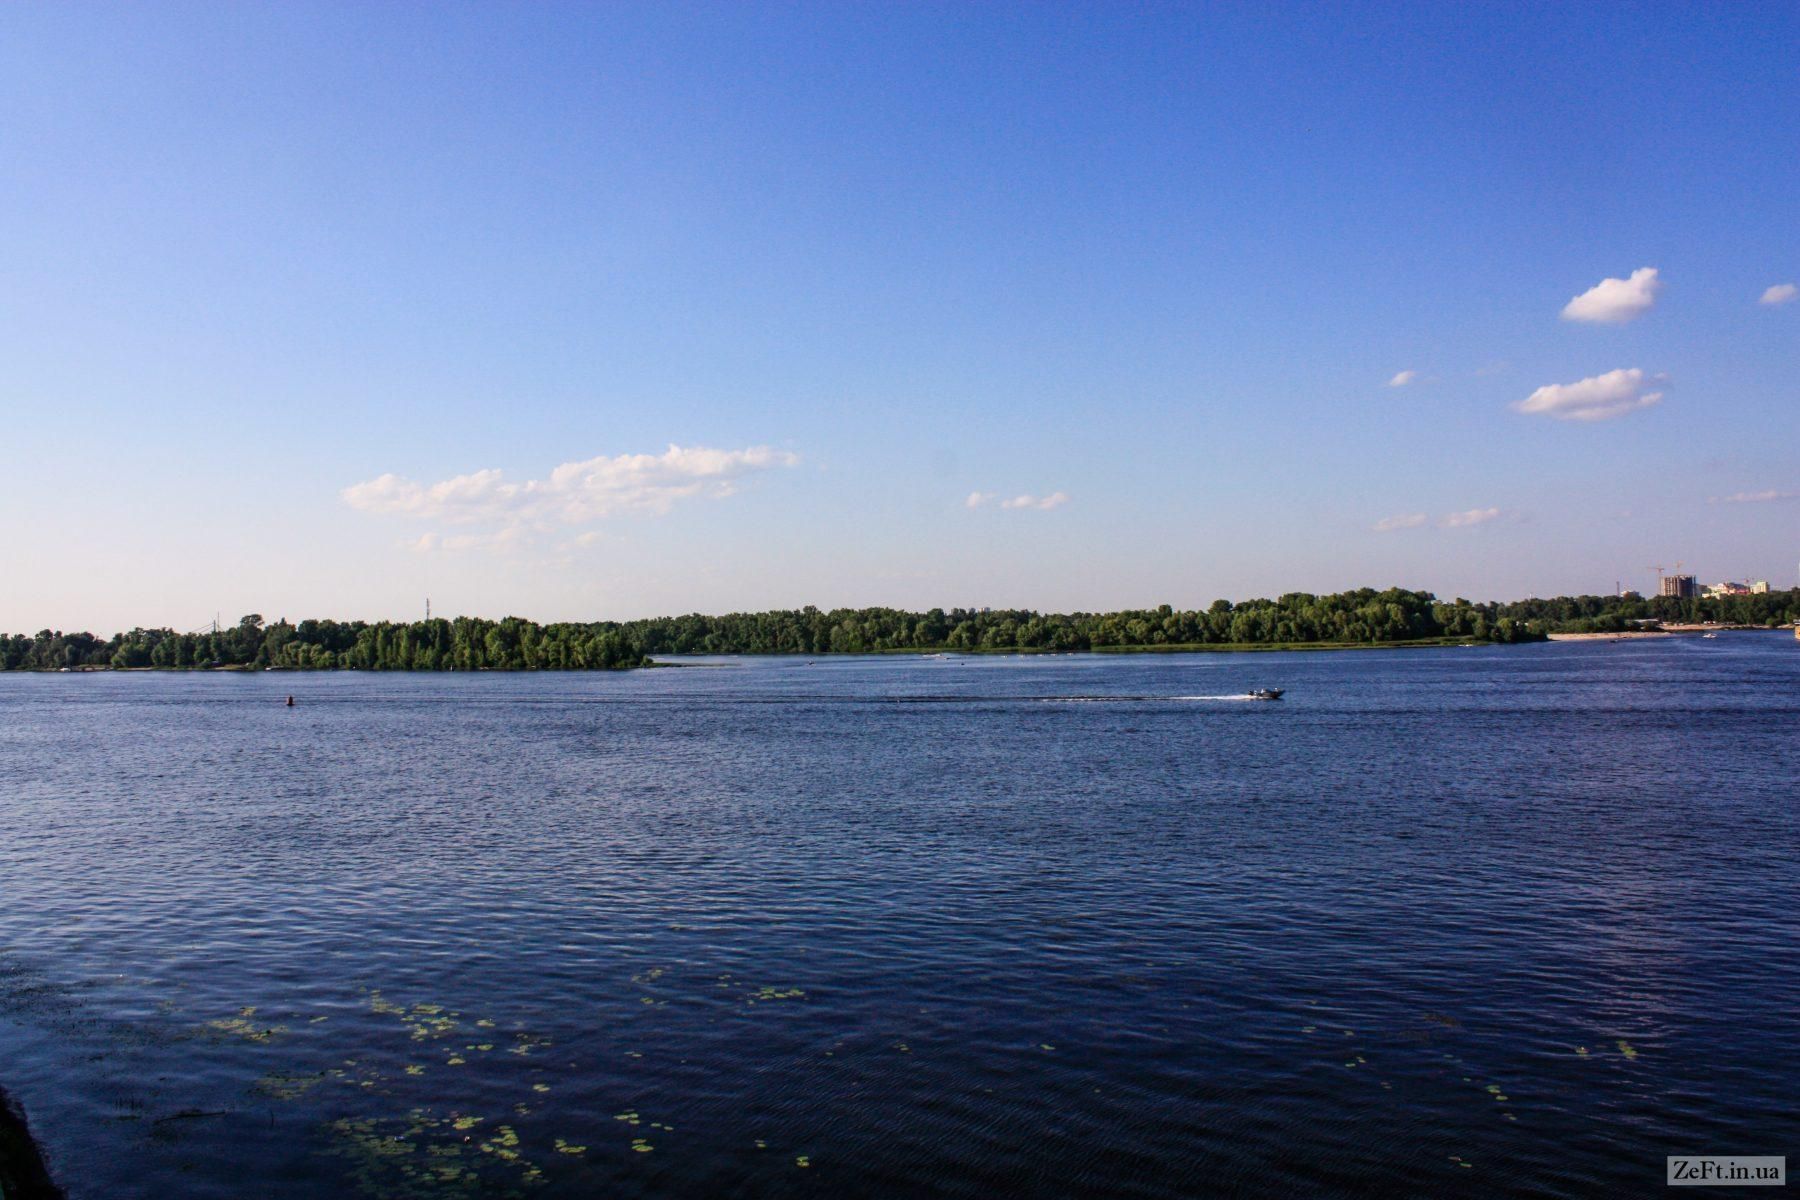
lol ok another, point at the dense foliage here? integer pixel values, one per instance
(473, 644)
(465, 644)
(1348, 617)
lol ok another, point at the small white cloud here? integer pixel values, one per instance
(1403, 521)
(1473, 516)
(1597, 398)
(575, 493)
(1616, 301)
(1763, 497)
(977, 499)
(1781, 293)
(1041, 503)
(1403, 378)
(509, 538)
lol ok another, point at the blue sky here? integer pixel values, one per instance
(302, 307)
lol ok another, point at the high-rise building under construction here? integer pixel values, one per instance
(1682, 587)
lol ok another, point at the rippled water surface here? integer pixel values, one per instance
(1446, 922)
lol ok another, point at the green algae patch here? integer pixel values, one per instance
(430, 1157)
(288, 1087)
(250, 1031)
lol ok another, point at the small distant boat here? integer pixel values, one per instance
(1709, 635)
(1264, 693)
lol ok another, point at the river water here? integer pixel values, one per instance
(1441, 922)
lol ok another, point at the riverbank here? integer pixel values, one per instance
(1164, 648)
(1664, 631)
(1627, 636)
(23, 1175)
(1175, 648)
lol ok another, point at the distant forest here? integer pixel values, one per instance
(1361, 617)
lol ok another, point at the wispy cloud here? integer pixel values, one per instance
(1041, 503)
(1763, 497)
(1616, 301)
(1473, 516)
(1402, 378)
(1781, 293)
(1455, 520)
(1597, 398)
(510, 538)
(574, 493)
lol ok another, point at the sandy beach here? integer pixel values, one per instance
(1610, 637)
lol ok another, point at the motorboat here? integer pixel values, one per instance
(1264, 693)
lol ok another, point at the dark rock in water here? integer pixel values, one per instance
(22, 1172)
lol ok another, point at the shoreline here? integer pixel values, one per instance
(23, 1175)
(658, 660)
(1665, 632)
(1629, 635)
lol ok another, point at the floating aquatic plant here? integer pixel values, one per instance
(240, 1027)
(288, 1087)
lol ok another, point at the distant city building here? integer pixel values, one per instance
(1682, 587)
(1715, 591)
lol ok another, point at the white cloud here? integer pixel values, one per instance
(1042, 503)
(1404, 521)
(574, 493)
(1597, 398)
(1616, 301)
(1403, 378)
(509, 538)
(1473, 516)
(977, 499)
(1763, 497)
(1781, 293)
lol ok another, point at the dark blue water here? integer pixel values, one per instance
(1458, 922)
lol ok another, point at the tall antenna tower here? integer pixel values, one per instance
(428, 608)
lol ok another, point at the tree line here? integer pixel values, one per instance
(463, 644)
(1615, 614)
(515, 644)
(1360, 617)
